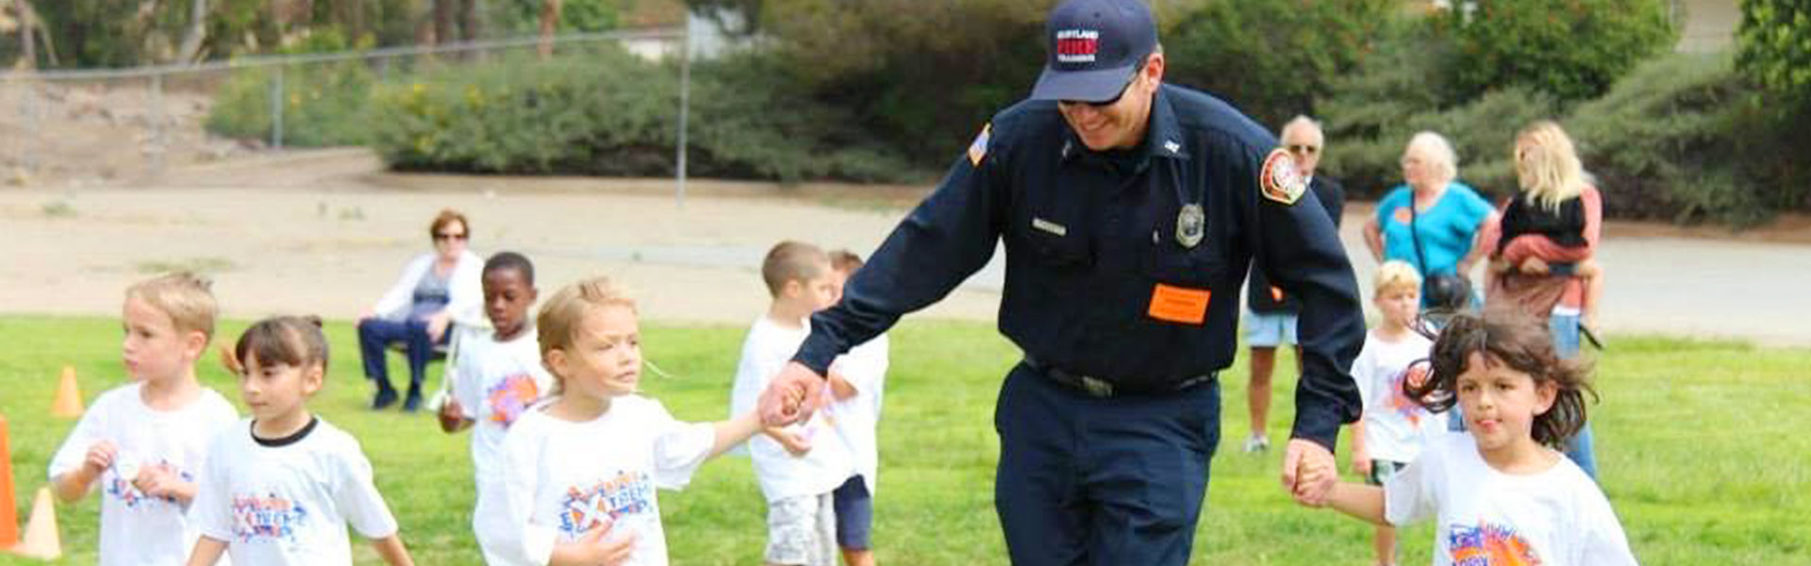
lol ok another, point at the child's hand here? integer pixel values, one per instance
(796, 444)
(100, 457)
(452, 416)
(159, 481)
(1534, 266)
(1361, 462)
(597, 547)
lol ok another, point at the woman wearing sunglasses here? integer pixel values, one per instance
(437, 290)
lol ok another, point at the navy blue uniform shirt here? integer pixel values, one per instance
(1258, 292)
(1089, 237)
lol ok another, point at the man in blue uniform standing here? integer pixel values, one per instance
(1130, 212)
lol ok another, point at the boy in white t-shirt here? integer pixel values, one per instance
(144, 443)
(1394, 427)
(1500, 494)
(857, 383)
(801, 517)
(281, 487)
(497, 375)
(579, 473)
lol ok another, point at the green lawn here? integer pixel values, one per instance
(1701, 444)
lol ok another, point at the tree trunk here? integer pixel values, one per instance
(28, 49)
(190, 50)
(29, 23)
(443, 22)
(468, 20)
(550, 23)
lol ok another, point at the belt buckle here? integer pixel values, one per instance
(1097, 387)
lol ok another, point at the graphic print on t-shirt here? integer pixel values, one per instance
(267, 518)
(586, 507)
(119, 485)
(1490, 545)
(510, 396)
(1400, 402)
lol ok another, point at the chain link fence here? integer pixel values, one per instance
(91, 127)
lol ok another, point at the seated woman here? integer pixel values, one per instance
(437, 290)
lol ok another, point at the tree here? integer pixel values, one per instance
(1774, 47)
(1571, 49)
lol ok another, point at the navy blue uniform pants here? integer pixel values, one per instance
(375, 335)
(1091, 481)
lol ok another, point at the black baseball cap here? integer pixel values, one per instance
(1094, 47)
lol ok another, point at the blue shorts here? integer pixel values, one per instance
(1269, 330)
(854, 515)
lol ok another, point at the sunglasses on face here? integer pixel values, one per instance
(1300, 149)
(1110, 101)
(460, 236)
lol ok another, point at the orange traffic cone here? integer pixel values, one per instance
(9, 510)
(41, 539)
(68, 404)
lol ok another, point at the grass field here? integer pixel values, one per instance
(1703, 448)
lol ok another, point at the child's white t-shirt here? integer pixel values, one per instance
(137, 528)
(494, 384)
(287, 501)
(1395, 426)
(561, 478)
(1556, 517)
(764, 353)
(856, 418)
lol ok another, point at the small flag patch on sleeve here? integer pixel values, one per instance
(978, 149)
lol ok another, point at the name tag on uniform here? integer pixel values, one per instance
(1179, 304)
(1049, 226)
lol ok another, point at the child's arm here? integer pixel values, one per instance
(207, 551)
(72, 485)
(1361, 458)
(1358, 500)
(841, 388)
(735, 431)
(392, 551)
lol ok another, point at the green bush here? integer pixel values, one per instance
(1571, 49)
(1664, 143)
(1286, 53)
(610, 113)
(1482, 133)
(1774, 46)
(324, 104)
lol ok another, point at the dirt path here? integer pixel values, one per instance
(326, 232)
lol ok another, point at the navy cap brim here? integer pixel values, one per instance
(1099, 85)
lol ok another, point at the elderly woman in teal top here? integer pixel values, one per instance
(1448, 215)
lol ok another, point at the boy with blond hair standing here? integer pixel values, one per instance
(143, 445)
(801, 518)
(1395, 426)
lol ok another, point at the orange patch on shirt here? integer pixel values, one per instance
(1179, 304)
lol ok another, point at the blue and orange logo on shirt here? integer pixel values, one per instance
(1400, 402)
(586, 507)
(510, 397)
(121, 487)
(1490, 545)
(270, 517)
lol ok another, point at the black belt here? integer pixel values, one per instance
(1101, 388)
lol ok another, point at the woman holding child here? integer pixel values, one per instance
(436, 291)
(1543, 246)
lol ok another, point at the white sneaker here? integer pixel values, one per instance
(1254, 444)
